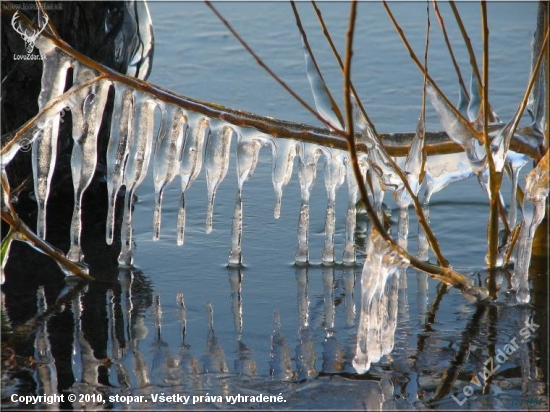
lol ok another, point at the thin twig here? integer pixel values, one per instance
(24, 233)
(335, 107)
(467, 42)
(414, 58)
(494, 177)
(268, 70)
(396, 144)
(339, 60)
(450, 48)
(443, 274)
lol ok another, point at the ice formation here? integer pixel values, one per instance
(148, 128)
(379, 294)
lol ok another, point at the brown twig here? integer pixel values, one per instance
(268, 70)
(450, 48)
(495, 177)
(422, 69)
(334, 106)
(443, 274)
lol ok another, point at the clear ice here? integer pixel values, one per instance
(216, 160)
(84, 156)
(377, 318)
(534, 205)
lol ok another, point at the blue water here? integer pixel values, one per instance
(197, 57)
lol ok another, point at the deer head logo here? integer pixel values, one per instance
(27, 34)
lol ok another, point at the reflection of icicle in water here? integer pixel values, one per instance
(280, 367)
(302, 295)
(86, 119)
(351, 215)
(536, 192)
(139, 143)
(45, 372)
(381, 263)
(44, 150)
(283, 152)
(247, 159)
(335, 173)
(349, 303)
(235, 281)
(117, 150)
(187, 362)
(162, 369)
(167, 156)
(305, 356)
(216, 163)
(191, 164)
(328, 299)
(213, 359)
(85, 364)
(307, 171)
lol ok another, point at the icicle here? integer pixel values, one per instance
(537, 105)
(117, 150)
(139, 143)
(389, 312)
(191, 164)
(459, 131)
(280, 367)
(516, 161)
(463, 101)
(283, 152)
(44, 150)
(142, 61)
(307, 172)
(381, 263)
(167, 156)
(213, 359)
(414, 171)
(323, 103)
(351, 215)
(335, 173)
(247, 159)
(474, 105)
(216, 164)
(536, 192)
(87, 119)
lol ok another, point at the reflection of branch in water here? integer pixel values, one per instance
(213, 359)
(449, 376)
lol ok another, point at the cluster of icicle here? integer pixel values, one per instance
(379, 302)
(182, 142)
